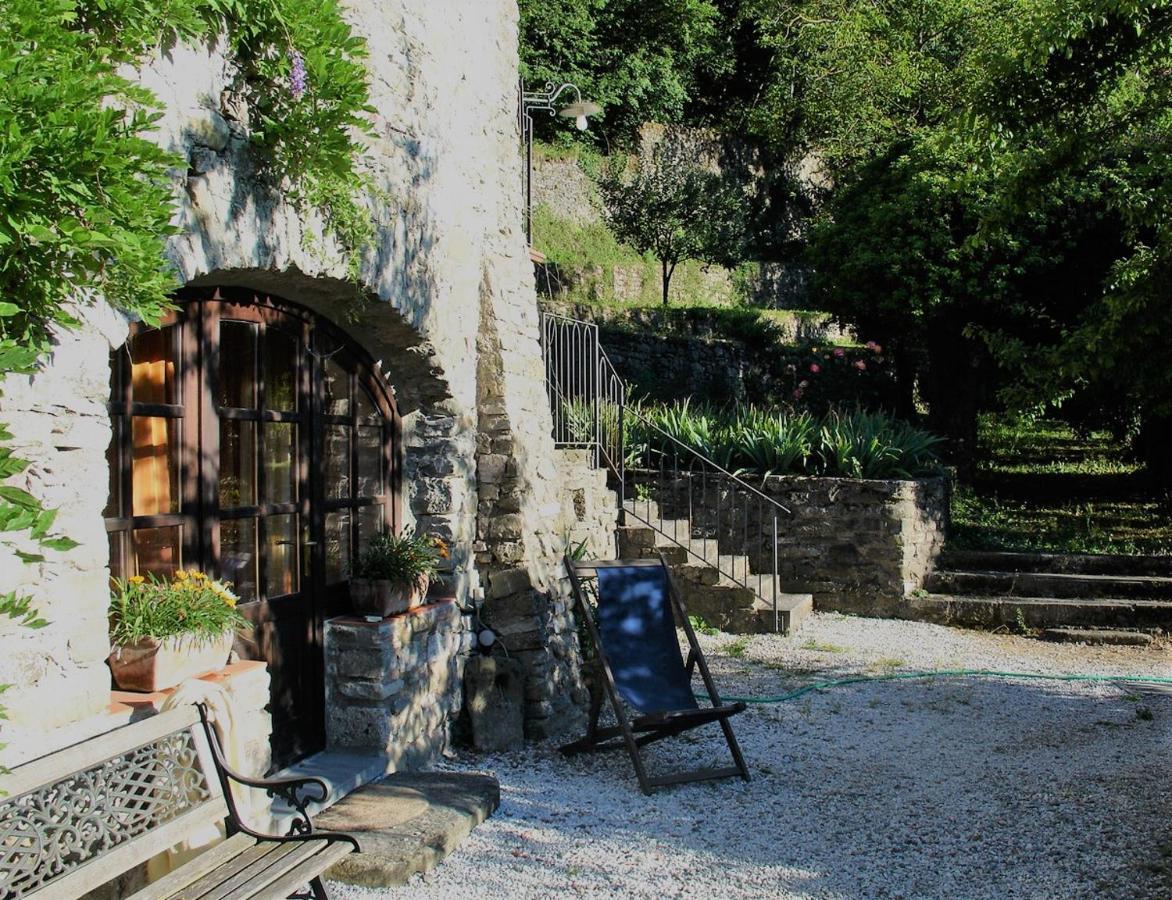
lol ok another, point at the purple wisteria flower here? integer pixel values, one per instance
(298, 79)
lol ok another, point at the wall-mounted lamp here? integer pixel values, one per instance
(530, 101)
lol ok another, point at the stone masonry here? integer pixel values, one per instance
(445, 303)
(859, 546)
(393, 686)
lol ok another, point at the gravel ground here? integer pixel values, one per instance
(969, 788)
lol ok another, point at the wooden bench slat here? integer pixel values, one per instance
(308, 870)
(239, 863)
(196, 869)
(257, 878)
(79, 757)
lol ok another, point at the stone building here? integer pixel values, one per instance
(283, 415)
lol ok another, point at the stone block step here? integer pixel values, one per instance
(1056, 563)
(1049, 584)
(1115, 637)
(407, 823)
(737, 610)
(643, 510)
(792, 612)
(1040, 612)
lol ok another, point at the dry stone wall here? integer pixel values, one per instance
(859, 546)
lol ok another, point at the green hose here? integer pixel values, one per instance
(944, 673)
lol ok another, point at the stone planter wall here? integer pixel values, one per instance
(859, 546)
(395, 686)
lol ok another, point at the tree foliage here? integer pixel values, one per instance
(673, 206)
(86, 199)
(640, 59)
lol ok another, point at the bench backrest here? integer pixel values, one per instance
(77, 818)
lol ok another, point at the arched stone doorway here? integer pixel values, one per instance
(255, 441)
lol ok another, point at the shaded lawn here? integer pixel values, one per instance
(1046, 488)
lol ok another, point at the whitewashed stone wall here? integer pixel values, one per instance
(449, 280)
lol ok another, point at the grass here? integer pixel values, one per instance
(820, 647)
(1047, 489)
(736, 649)
(1050, 448)
(700, 626)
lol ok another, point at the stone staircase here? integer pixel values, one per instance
(719, 588)
(1048, 591)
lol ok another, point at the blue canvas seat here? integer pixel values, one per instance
(632, 623)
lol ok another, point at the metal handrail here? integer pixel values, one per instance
(581, 378)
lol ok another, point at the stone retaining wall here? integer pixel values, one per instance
(859, 546)
(680, 353)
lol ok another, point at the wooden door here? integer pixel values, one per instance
(287, 453)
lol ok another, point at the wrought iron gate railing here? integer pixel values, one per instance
(715, 516)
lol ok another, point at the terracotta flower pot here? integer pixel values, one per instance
(376, 597)
(155, 665)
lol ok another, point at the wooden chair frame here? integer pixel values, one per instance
(636, 732)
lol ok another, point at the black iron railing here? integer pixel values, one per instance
(716, 517)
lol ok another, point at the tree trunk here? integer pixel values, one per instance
(667, 273)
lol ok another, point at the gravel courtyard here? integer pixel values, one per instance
(974, 787)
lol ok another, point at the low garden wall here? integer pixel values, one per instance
(394, 686)
(732, 354)
(859, 546)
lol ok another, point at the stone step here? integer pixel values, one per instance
(642, 510)
(407, 823)
(1114, 637)
(1049, 584)
(577, 456)
(1056, 563)
(737, 610)
(1039, 612)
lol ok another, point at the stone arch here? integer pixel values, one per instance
(434, 454)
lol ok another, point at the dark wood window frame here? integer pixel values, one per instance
(288, 627)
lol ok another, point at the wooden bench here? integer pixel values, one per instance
(80, 817)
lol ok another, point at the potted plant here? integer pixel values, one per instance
(163, 631)
(393, 573)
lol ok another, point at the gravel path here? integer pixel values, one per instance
(973, 788)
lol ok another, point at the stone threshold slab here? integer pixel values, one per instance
(407, 823)
(343, 772)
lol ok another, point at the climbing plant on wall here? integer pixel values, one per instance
(86, 199)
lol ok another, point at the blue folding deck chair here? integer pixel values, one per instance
(637, 656)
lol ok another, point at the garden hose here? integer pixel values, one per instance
(945, 673)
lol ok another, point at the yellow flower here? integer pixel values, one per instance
(136, 579)
(181, 575)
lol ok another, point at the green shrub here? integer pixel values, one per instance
(747, 439)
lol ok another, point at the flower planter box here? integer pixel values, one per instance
(377, 597)
(153, 665)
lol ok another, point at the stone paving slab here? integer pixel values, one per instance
(407, 823)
